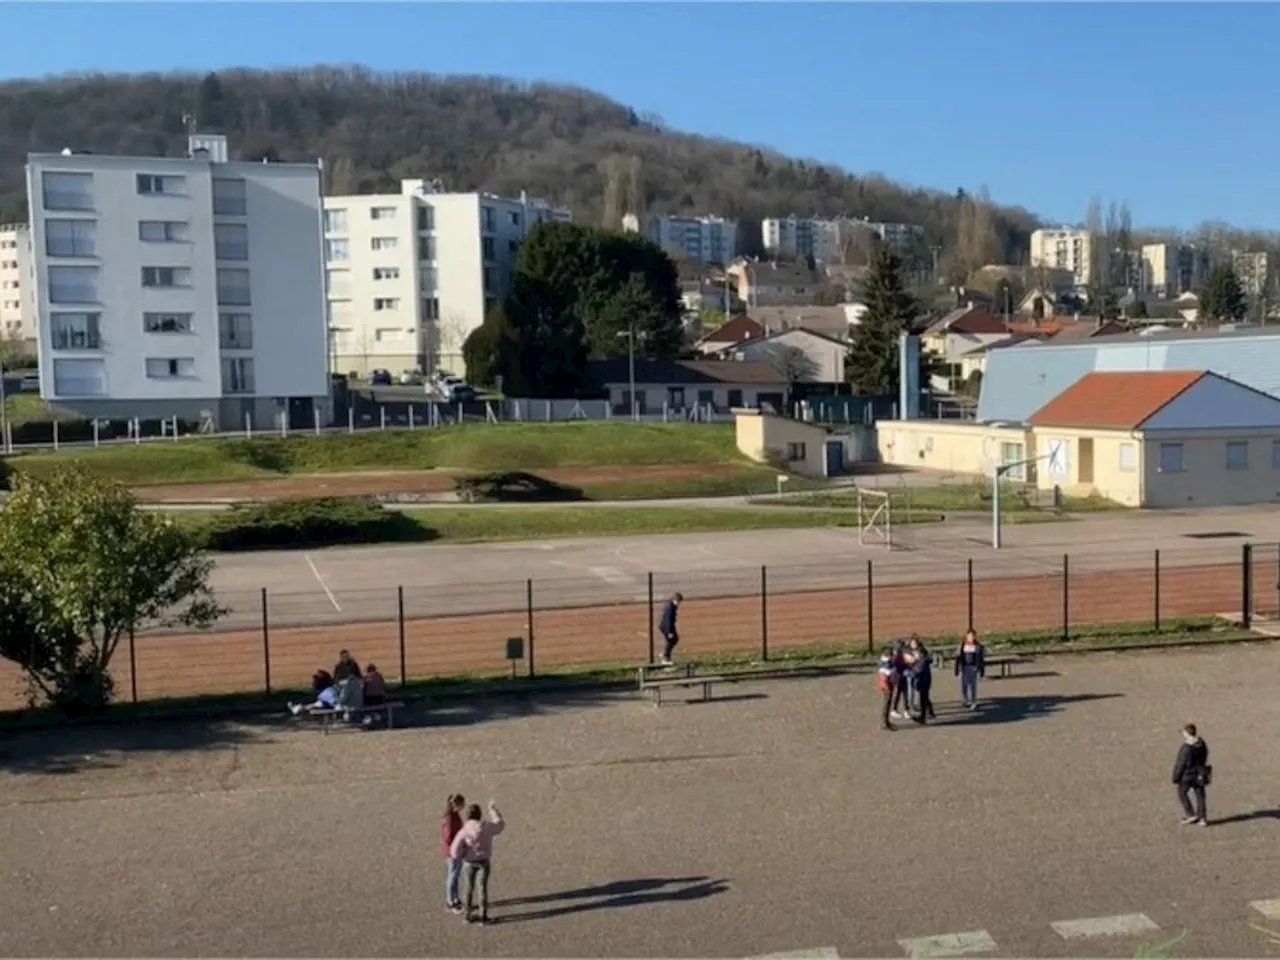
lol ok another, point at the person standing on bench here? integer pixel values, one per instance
(971, 663)
(474, 846)
(667, 627)
(1191, 772)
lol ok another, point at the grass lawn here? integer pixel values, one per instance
(498, 446)
(952, 498)
(739, 481)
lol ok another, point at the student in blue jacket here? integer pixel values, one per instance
(922, 674)
(667, 627)
(971, 664)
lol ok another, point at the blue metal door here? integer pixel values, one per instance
(835, 458)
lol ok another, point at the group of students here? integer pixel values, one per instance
(904, 676)
(466, 840)
(348, 688)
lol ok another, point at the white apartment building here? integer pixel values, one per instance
(410, 275)
(821, 238)
(189, 287)
(898, 237)
(1064, 248)
(17, 285)
(701, 239)
(1172, 269)
(1254, 271)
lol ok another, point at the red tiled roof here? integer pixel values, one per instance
(1115, 400)
(735, 331)
(977, 323)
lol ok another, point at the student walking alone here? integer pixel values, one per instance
(474, 847)
(971, 664)
(667, 627)
(450, 827)
(1192, 774)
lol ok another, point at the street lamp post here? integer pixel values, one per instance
(631, 336)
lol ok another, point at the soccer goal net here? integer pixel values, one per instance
(875, 517)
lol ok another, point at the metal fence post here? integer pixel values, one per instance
(1246, 585)
(266, 645)
(764, 612)
(651, 637)
(1066, 596)
(871, 609)
(404, 675)
(133, 668)
(1156, 575)
(528, 602)
(969, 585)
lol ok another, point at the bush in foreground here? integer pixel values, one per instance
(321, 522)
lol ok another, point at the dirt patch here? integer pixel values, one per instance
(418, 482)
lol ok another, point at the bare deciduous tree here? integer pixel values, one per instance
(792, 363)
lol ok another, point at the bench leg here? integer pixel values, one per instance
(706, 692)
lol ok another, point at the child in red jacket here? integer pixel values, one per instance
(888, 680)
(450, 824)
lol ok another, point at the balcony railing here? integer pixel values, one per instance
(72, 293)
(229, 206)
(78, 387)
(69, 248)
(228, 250)
(76, 340)
(233, 296)
(67, 200)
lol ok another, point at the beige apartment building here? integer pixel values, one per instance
(1172, 269)
(1254, 271)
(1064, 248)
(410, 275)
(17, 285)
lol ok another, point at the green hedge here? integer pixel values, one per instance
(327, 521)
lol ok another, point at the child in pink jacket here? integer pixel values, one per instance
(474, 847)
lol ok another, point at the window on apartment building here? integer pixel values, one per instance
(73, 284)
(795, 452)
(387, 334)
(489, 219)
(162, 231)
(166, 276)
(515, 218)
(170, 368)
(386, 273)
(229, 197)
(69, 238)
(489, 304)
(335, 221)
(382, 213)
(426, 219)
(233, 286)
(337, 283)
(488, 248)
(75, 331)
(337, 251)
(235, 331)
(513, 246)
(487, 279)
(735, 399)
(1128, 457)
(427, 278)
(237, 375)
(79, 378)
(1237, 454)
(161, 185)
(430, 308)
(167, 322)
(230, 241)
(1171, 459)
(67, 191)
(386, 303)
(427, 248)
(383, 243)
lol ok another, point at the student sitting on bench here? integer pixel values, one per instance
(326, 695)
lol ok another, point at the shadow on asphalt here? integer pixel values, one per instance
(1272, 814)
(69, 750)
(1013, 709)
(615, 895)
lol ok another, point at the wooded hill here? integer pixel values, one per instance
(572, 146)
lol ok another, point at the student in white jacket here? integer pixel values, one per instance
(474, 847)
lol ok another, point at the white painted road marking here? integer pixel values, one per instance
(817, 953)
(324, 586)
(949, 945)
(612, 575)
(1268, 908)
(1122, 925)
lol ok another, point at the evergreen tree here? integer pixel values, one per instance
(1222, 297)
(873, 358)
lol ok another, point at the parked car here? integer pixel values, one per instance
(30, 383)
(461, 393)
(380, 378)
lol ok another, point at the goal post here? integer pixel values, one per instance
(875, 517)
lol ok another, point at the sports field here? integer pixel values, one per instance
(776, 821)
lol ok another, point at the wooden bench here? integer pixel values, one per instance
(654, 688)
(330, 719)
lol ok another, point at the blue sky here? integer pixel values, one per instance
(1171, 107)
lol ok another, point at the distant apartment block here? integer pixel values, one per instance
(410, 275)
(17, 284)
(1255, 271)
(188, 286)
(1064, 248)
(1172, 269)
(701, 239)
(898, 237)
(822, 238)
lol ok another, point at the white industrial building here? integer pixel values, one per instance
(180, 286)
(410, 275)
(701, 239)
(17, 284)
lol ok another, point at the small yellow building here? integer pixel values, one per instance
(1168, 438)
(806, 449)
(954, 447)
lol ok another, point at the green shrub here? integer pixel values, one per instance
(291, 524)
(513, 485)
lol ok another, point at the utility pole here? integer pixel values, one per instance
(631, 336)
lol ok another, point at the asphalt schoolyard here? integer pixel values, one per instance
(775, 819)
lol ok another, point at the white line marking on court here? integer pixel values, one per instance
(613, 575)
(949, 945)
(1268, 908)
(1122, 925)
(324, 586)
(817, 953)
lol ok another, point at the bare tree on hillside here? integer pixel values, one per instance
(792, 363)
